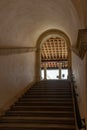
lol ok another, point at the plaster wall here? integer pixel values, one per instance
(16, 72)
(23, 21)
(79, 71)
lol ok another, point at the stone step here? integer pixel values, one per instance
(40, 120)
(49, 90)
(46, 99)
(35, 125)
(45, 108)
(17, 128)
(41, 113)
(36, 118)
(45, 103)
(44, 96)
(46, 93)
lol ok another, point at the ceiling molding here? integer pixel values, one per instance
(81, 46)
(16, 50)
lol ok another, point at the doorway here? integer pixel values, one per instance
(53, 55)
(53, 74)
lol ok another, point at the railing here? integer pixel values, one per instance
(80, 122)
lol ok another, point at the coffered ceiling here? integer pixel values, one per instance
(53, 52)
(54, 49)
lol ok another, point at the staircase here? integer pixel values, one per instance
(48, 105)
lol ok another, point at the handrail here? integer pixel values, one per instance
(80, 122)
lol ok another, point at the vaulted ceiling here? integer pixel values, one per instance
(23, 21)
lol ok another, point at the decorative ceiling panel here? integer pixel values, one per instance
(54, 49)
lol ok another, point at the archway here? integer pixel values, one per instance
(48, 35)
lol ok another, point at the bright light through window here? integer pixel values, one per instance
(42, 74)
(54, 74)
(64, 73)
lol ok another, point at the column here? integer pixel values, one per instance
(45, 71)
(60, 70)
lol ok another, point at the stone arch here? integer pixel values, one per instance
(38, 46)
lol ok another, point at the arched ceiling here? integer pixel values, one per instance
(23, 21)
(81, 8)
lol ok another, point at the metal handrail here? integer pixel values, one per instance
(78, 116)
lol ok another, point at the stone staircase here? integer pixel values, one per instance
(48, 105)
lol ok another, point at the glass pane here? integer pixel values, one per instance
(64, 73)
(42, 74)
(52, 74)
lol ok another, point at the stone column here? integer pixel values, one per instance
(60, 67)
(45, 72)
(37, 66)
